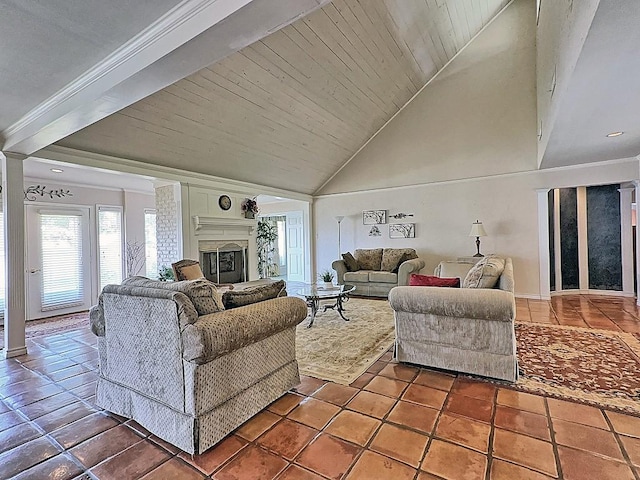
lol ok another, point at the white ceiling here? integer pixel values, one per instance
(289, 110)
(603, 94)
(40, 169)
(47, 44)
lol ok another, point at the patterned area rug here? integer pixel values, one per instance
(48, 326)
(597, 367)
(341, 351)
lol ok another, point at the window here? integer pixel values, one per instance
(150, 245)
(110, 245)
(2, 282)
(62, 266)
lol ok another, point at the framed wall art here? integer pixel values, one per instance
(374, 217)
(402, 230)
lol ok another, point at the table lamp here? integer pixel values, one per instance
(477, 230)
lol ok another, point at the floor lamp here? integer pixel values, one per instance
(339, 219)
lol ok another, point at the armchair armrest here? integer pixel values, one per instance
(217, 334)
(476, 303)
(341, 268)
(407, 268)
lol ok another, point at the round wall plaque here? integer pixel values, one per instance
(225, 202)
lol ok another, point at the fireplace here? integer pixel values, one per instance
(224, 261)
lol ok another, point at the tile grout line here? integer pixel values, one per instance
(621, 446)
(554, 444)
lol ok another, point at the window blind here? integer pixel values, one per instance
(110, 245)
(150, 244)
(61, 240)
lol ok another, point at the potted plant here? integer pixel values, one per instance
(327, 277)
(249, 207)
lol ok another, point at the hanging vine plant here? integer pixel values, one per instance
(266, 237)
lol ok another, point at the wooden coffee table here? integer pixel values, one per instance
(314, 294)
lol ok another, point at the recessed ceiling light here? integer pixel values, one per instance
(614, 134)
(57, 170)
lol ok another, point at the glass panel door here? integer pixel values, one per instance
(58, 259)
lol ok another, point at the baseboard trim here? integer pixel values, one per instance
(531, 296)
(608, 293)
(14, 352)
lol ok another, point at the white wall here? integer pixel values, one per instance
(443, 213)
(476, 118)
(562, 30)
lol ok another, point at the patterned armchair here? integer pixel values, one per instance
(186, 370)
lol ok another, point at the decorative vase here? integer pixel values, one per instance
(328, 284)
(249, 214)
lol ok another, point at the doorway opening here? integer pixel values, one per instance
(283, 239)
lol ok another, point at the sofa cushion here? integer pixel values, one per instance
(350, 262)
(485, 273)
(416, 280)
(453, 269)
(392, 257)
(368, 258)
(383, 277)
(241, 298)
(203, 294)
(361, 276)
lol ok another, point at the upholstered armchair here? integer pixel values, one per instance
(186, 370)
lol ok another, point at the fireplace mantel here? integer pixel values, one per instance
(208, 224)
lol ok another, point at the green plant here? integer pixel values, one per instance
(266, 236)
(165, 274)
(326, 276)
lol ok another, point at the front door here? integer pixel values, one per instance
(58, 261)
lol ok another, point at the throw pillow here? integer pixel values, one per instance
(203, 294)
(192, 272)
(405, 256)
(391, 257)
(350, 262)
(240, 298)
(416, 280)
(485, 273)
(368, 258)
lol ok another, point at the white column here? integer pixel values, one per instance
(583, 241)
(543, 242)
(636, 183)
(14, 240)
(626, 239)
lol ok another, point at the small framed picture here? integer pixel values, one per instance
(402, 230)
(374, 217)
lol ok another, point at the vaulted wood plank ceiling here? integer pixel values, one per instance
(290, 110)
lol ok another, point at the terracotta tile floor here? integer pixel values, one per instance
(394, 422)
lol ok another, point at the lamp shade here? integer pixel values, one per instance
(339, 218)
(477, 230)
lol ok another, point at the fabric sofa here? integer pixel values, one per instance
(468, 330)
(190, 378)
(379, 270)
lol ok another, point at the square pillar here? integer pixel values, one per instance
(14, 241)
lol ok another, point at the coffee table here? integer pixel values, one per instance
(314, 294)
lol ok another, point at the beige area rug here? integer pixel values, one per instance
(48, 326)
(341, 351)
